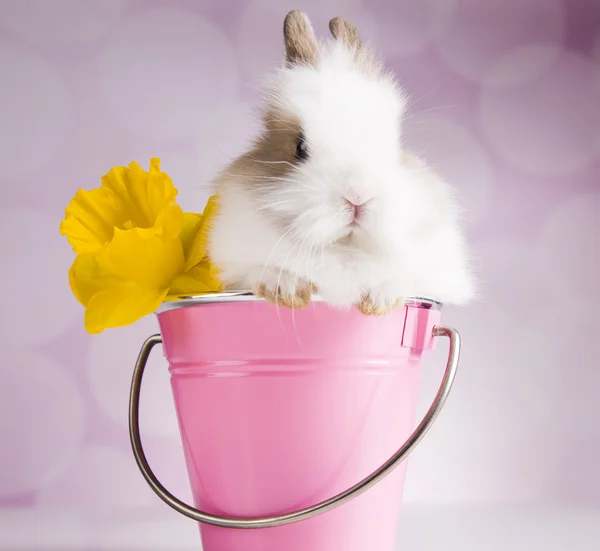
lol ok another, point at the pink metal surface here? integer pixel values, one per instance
(279, 410)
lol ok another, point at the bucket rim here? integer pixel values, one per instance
(217, 297)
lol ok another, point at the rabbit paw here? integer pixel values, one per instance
(284, 289)
(381, 301)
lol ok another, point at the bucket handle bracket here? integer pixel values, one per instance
(308, 512)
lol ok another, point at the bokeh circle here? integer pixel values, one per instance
(549, 125)
(38, 305)
(43, 419)
(478, 33)
(163, 70)
(36, 112)
(62, 23)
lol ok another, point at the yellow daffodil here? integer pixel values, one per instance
(129, 198)
(135, 246)
(200, 275)
(126, 280)
(197, 249)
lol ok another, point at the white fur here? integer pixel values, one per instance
(409, 243)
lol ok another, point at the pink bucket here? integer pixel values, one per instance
(287, 418)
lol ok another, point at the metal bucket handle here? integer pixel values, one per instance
(308, 512)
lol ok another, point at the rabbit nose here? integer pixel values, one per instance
(357, 206)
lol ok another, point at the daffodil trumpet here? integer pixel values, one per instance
(135, 246)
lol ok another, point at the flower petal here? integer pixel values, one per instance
(196, 280)
(147, 260)
(86, 278)
(90, 218)
(144, 194)
(121, 305)
(169, 222)
(198, 249)
(128, 198)
(190, 227)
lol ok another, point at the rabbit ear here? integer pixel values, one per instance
(346, 32)
(300, 41)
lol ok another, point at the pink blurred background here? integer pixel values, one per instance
(505, 103)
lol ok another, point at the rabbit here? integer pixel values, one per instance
(327, 200)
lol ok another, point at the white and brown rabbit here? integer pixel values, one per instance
(327, 200)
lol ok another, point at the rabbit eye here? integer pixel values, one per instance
(301, 148)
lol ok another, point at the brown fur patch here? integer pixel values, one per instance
(344, 31)
(273, 154)
(301, 299)
(369, 308)
(300, 41)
